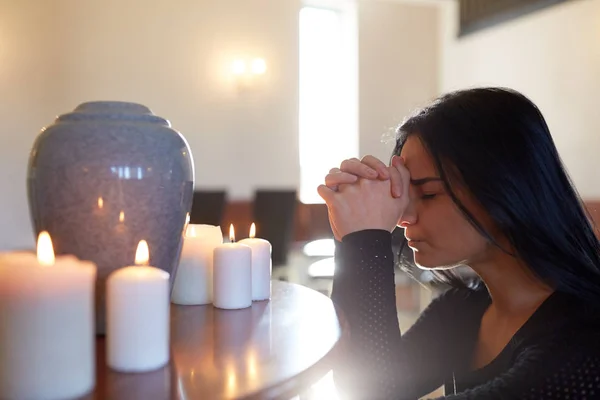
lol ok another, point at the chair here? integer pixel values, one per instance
(274, 213)
(208, 207)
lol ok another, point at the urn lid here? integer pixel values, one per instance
(112, 111)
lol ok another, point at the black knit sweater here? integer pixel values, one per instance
(555, 355)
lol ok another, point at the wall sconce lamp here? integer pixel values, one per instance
(248, 74)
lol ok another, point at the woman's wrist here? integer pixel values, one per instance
(359, 236)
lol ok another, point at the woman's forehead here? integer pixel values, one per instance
(418, 160)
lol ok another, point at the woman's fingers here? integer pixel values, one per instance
(325, 193)
(396, 181)
(377, 165)
(352, 169)
(404, 180)
(355, 167)
(333, 180)
(369, 167)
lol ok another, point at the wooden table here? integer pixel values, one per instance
(272, 350)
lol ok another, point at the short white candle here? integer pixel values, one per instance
(232, 278)
(137, 311)
(261, 265)
(194, 276)
(47, 339)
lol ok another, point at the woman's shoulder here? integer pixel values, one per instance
(582, 329)
(575, 344)
(566, 323)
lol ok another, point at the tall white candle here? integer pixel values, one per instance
(261, 265)
(232, 278)
(47, 339)
(194, 277)
(137, 311)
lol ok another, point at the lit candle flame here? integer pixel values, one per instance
(252, 230)
(100, 202)
(231, 234)
(142, 254)
(45, 251)
(122, 216)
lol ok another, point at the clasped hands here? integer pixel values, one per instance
(365, 194)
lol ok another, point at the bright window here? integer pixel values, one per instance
(328, 93)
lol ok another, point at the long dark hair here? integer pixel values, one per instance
(497, 144)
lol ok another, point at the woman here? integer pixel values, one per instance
(475, 180)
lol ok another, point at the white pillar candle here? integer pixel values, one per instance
(261, 265)
(137, 311)
(232, 276)
(194, 277)
(47, 339)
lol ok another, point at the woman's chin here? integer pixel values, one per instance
(427, 267)
(425, 263)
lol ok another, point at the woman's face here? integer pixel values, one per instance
(438, 233)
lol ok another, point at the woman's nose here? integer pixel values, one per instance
(409, 216)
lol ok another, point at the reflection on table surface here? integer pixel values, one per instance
(274, 349)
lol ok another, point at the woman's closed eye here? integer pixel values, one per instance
(428, 188)
(430, 193)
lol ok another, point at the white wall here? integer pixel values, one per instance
(28, 71)
(552, 56)
(398, 68)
